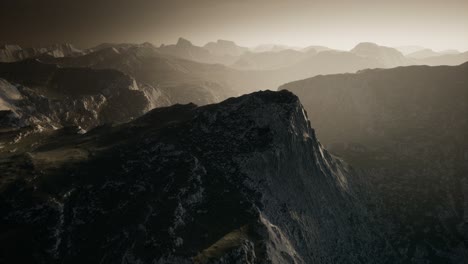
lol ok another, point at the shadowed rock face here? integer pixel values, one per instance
(406, 128)
(50, 96)
(243, 181)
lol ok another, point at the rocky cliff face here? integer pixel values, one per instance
(243, 181)
(406, 128)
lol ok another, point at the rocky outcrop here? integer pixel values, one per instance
(12, 53)
(243, 181)
(52, 97)
(9, 53)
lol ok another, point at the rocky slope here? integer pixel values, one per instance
(52, 97)
(243, 181)
(406, 128)
(12, 53)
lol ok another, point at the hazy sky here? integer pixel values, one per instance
(437, 24)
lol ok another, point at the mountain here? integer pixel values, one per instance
(428, 53)
(405, 50)
(271, 69)
(421, 54)
(272, 48)
(185, 80)
(326, 62)
(170, 74)
(389, 57)
(150, 65)
(307, 65)
(316, 48)
(270, 60)
(52, 97)
(186, 50)
(119, 46)
(445, 59)
(405, 128)
(243, 181)
(12, 53)
(225, 48)
(449, 51)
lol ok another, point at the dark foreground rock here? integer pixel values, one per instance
(243, 181)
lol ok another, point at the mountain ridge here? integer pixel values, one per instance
(221, 205)
(405, 129)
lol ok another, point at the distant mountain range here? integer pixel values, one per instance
(427, 53)
(171, 74)
(184, 73)
(268, 57)
(256, 65)
(421, 52)
(229, 53)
